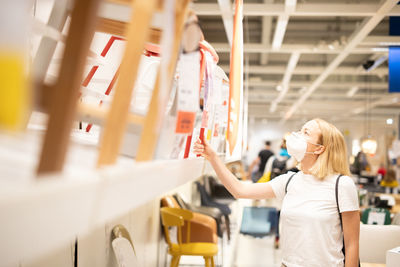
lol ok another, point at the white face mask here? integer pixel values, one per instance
(297, 146)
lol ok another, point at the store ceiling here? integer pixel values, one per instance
(317, 62)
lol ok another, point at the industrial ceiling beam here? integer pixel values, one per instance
(335, 85)
(281, 24)
(308, 10)
(339, 103)
(386, 100)
(303, 49)
(359, 34)
(309, 70)
(262, 96)
(266, 34)
(225, 7)
(294, 58)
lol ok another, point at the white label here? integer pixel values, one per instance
(189, 82)
(376, 218)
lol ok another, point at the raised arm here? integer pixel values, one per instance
(237, 188)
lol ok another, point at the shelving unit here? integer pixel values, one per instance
(40, 215)
(81, 187)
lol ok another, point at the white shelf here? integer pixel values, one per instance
(38, 216)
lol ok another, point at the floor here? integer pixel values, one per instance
(242, 250)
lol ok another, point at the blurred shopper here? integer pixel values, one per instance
(261, 161)
(360, 163)
(313, 233)
(381, 172)
(389, 181)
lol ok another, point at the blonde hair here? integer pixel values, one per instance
(334, 159)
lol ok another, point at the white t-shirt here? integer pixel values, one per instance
(311, 233)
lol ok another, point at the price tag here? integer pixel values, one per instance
(185, 122)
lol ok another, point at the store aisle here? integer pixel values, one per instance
(243, 250)
(250, 251)
(257, 252)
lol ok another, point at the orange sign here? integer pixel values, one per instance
(185, 122)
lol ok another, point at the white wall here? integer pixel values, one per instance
(260, 131)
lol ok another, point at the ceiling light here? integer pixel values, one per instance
(331, 47)
(369, 145)
(279, 87)
(389, 121)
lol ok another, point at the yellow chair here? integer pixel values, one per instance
(175, 217)
(265, 178)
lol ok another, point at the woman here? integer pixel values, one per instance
(311, 234)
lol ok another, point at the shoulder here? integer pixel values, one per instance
(287, 176)
(279, 183)
(347, 186)
(346, 182)
(290, 173)
(282, 179)
(347, 194)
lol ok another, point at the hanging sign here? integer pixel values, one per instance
(188, 97)
(394, 57)
(235, 78)
(394, 69)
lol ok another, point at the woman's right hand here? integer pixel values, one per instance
(203, 149)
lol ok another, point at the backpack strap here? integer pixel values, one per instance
(337, 199)
(287, 183)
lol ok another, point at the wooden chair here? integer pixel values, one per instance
(65, 92)
(203, 227)
(172, 217)
(60, 99)
(117, 118)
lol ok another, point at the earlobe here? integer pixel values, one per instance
(321, 149)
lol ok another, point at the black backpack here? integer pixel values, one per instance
(278, 167)
(337, 205)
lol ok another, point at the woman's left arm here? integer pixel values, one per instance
(351, 233)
